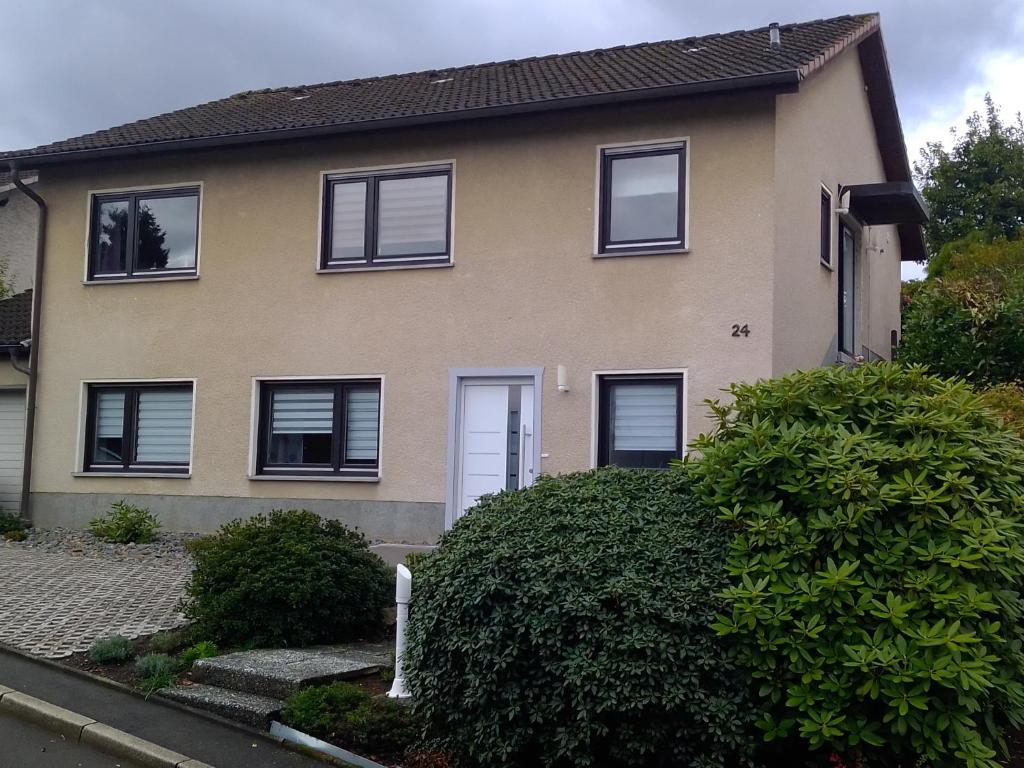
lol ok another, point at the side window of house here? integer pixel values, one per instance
(139, 428)
(847, 290)
(640, 420)
(387, 219)
(642, 199)
(319, 428)
(144, 234)
(825, 243)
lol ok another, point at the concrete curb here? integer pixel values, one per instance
(79, 728)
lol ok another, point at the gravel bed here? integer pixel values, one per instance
(167, 548)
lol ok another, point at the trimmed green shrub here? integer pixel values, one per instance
(877, 561)
(125, 524)
(1007, 400)
(111, 650)
(568, 624)
(155, 671)
(290, 578)
(970, 323)
(201, 650)
(347, 715)
(12, 527)
(167, 642)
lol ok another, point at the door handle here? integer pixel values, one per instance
(523, 468)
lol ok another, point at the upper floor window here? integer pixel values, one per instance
(825, 244)
(387, 219)
(145, 234)
(642, 200)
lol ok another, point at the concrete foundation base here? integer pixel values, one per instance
(393, 522)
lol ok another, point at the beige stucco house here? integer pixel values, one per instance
(380, 299)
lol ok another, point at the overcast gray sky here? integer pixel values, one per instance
(72, 66)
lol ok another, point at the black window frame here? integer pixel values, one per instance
(131, 254)
(608, 247)
(825, 244)
(605, 454)
(841, 275)
(371, 224)
(129, 435)
(340, 467)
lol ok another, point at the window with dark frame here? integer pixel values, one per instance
(387, 219)
(825, 251)
(139, 428)
(144, 234)
(319, 428)
(642, 199)
(847, 289)
(640, 420)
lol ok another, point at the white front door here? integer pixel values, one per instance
(495, 439)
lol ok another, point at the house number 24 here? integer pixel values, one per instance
(740, 330)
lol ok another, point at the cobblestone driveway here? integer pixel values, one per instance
(54, 604)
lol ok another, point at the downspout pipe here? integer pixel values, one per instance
(33, 354)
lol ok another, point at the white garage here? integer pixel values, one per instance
(12, 447)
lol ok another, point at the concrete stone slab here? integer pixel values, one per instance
(130, 747)
(278, 673)
(247, 708)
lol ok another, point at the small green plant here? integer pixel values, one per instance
(167, 642)
(111, 650)
(155, 671)
(285, 579)
(414, 560)
(877, 562)
(349, 716)
(201, 650)
(12, 527)
(315, 710)
(125, 524)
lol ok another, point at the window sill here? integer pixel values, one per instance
(383, 268)
(120, 280)
(316, 478)
(826, 265)
(643, 252)
(162, 475)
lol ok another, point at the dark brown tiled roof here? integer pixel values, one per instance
(16, 318)
(712, 62)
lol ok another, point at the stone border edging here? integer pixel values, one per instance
(85, 730)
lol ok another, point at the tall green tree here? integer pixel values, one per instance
(977, 185)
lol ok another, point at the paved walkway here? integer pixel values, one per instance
(53, 605)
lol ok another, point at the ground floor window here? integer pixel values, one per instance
(319, 428)
(639, 422)
(139, 428)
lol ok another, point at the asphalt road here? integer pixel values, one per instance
(211, 742)
(27, 745)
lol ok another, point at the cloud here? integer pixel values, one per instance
(68, 67)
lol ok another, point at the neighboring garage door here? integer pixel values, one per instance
(12, 448)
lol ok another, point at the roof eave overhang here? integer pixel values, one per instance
(783, 81)
(889, 133)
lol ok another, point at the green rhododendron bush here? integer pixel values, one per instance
(569, 624)
(877, 562)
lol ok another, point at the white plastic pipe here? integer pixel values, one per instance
(403, 593)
